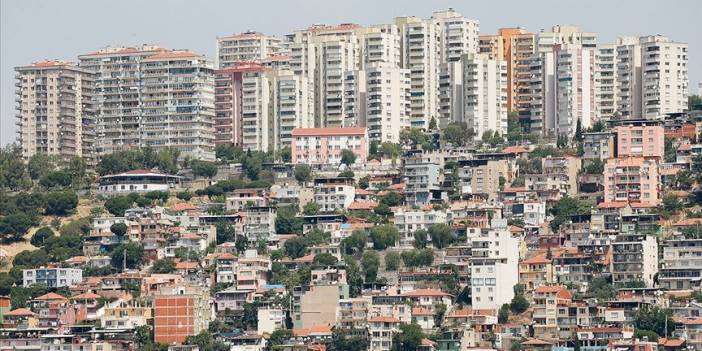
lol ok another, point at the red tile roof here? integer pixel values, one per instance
(50, 296)
(425, 292)
(328, 131)
(612, 204)
(537, 260)
(321, 329)
(19, 312)
(384, 319)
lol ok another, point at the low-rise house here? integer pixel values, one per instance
(242, 198)
(137, 181)
(381, 330)
(535, 272)
(52, 277)
(127, 315)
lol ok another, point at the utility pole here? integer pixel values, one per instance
(124, 260)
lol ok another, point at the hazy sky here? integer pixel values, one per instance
(32, 30)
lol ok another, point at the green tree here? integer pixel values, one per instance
(203, 168)
(60, 203)
(303, 173)
(311, 208)
(347, 174)
(184, 195)
(503, 314)
(285, 154)
(287, 222)
(595, 166)
(118, 204)
(295, 247)
(456, 133)
(669, 149)
(392, 261)
(432, 123)
(384, 236)
(441, 235)
(519, 304)
(206, 342)
(354, 276)
(363, 182)
(279, 337)
(348, 157)
(163, 266)
(566, 207)
(225, 232)
(119, 229)
(39, 165)
(13, 173)
(14, 226)
(134, 254)
(421, 238)
(356, 242)
(41, 235)
(655, 319)
(6, 282)
(391, 199)
(370, 264)
(409, 338)
(325, 259)
(56, 179)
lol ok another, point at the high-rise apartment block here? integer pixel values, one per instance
(246, 47)
(179, 312)
(55, 110)
(229, 102)
(663, 76)
(515, 46)
(474, 91)
(150, 96)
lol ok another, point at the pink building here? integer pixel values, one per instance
(324, 145)
(631, 179)
(640, 141)
(229, 101)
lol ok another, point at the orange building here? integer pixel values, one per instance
(179, 312)
(516, 46)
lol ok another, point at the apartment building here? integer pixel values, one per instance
(381, 330)
(681, 264)
(324, 145)
(605, 81)
(640, 140)
(334, 196)
(229, 102)
(559, 175)
(51, 277)
(259, 223)
(179, 312)
(382, 44)
(421, 55)
(536, 272)
(634, 257)
(150, 96)
(55, 110)
(597, 146)
(336, 56)
(516, 46)
(387, 102)
(575, 88)
(246, 47)
(629, 87)
(544, 82)
(458, 34)
(548, 300)
(484, 94)
(494, 265)
(423, 179)
(127, 315)
(482, 176)
(664, 76)
(408, 221)
(631, 179)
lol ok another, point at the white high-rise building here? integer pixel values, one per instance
(450, 93)
(387, 102)
(575, 88)
(494, 265)
(381, 44)
(420, 54)
(628, 78)
(664, 77)
(473, 90)
(458, 35)
(55, 110)
(605, 81)
(245, 47)
(334, 59)
(274, 103)
(544, 84)
(152, 96)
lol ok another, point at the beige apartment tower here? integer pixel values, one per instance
(55, 111)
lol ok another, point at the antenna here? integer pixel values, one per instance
(124, 260)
